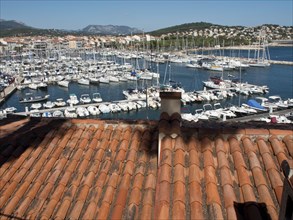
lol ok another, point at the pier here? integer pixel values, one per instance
(9, 90)
(262, 115)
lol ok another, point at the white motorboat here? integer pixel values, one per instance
(58, 114)
(104, 108)
(93, 110)
(29, 98)
(210, 112)
(70, 112)
(82, 112)
(36, 105)
(123, 106)
(114, 108)
(33, 86)
(10, 110)
(104, 80)
(73, 100)
(97, 97)
(49, 104)
(83, 81)
(141, 103)
(85, 98)
(60, 102)
(113, 79)
(63, 83)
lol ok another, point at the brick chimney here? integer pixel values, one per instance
(170, 118)
(170, 102)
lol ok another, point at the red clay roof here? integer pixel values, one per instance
(95, 169)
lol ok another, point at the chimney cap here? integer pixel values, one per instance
(170, 95)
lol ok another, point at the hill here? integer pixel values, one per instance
(110, 30)
(185, 27)
(10, 25)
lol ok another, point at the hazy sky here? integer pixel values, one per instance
(145, 15)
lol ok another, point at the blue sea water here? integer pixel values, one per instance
(279, 79)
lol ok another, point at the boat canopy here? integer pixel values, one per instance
(255, 104)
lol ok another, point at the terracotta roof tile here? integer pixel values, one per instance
(117, 212)
(164, 191)
(121, 198)
(210, 175)
(196, 211)
(234, 145)
(103, 211)
(146, 212)
(63, 209)
(288, 140)
(179, 173)
(215, 211)
(131, 155)
(268, 162)
(179, 192)
(278, 192)
(50, 207)
(129, 167)
(248, 194)
(212, 194)
(138, 181)
(231, 214)
(132, 212)
(258, 177)
(166, 157)
(208, 159)
(135, 196)
(179, 157)
(264, 195)
(226, 176)
(165, 173)
(222, 160)
(243, 176)
(166, 143)
(113, 181)
(178, 210)
(263, 148)
(109, 195)
(194, 174)
(229, 196)
(254, 161)
(194, 157)
(195, 193)
(150, 182)
(108, 169)
(206, 145)
(219, 143)
(148, 197)
(192, 144)
(163, 211)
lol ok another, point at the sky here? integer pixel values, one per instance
(145, 15)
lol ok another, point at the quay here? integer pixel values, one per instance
(9, 90)
(97, 104)
(262, 115)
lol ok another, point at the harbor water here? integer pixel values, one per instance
(278, 78)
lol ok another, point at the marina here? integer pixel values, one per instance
(113, 74)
